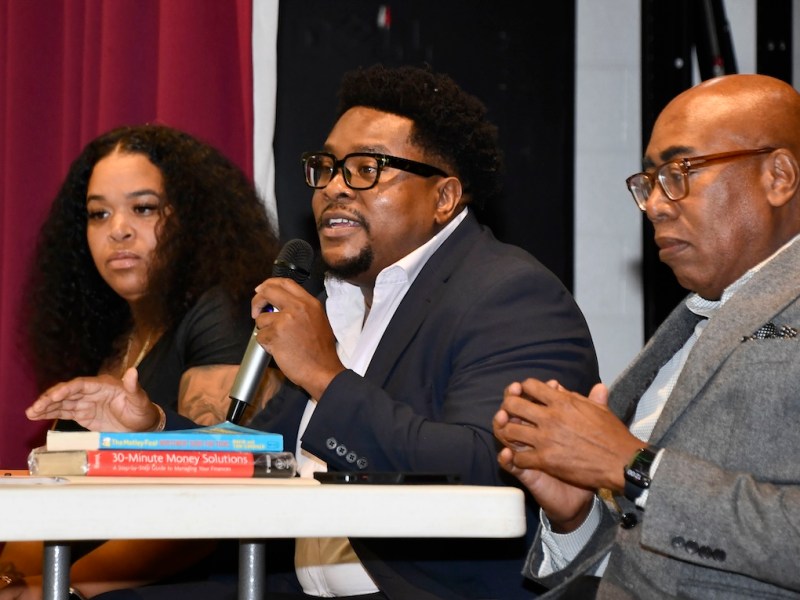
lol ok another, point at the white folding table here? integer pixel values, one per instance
(91, 508)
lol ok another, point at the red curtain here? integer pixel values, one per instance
(72, 69)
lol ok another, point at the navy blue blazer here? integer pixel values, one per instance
(479, 315)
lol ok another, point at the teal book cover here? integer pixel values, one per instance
(224, 437)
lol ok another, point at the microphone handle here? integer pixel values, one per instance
(248, 378)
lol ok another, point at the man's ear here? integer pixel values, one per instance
(450, 199)
(782, 177)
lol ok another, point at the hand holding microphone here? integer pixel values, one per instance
(299, 335)
(294, 261)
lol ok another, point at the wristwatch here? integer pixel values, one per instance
(637, 473)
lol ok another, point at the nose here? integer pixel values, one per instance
(120, 228)
(337, 188)
(658, 206)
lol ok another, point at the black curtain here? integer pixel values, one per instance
(516, 57)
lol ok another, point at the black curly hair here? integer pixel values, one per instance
(449, 123)
(215, 233)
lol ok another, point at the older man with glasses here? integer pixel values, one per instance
(425, 318)
(683, 481)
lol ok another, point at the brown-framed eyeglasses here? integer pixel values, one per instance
(673, 175)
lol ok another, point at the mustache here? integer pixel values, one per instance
(350, 213)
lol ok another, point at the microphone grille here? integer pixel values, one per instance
(294, 261)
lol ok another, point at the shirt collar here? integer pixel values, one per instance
(706, 308)
(408, 267)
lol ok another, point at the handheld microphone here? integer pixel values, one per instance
(294, 261)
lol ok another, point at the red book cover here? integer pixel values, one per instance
(161, 463)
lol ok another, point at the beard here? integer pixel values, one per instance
(352, 267)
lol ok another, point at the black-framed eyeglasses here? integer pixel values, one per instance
(673, 176)
(361, 170)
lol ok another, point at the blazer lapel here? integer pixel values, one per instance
(415, 306)
(765, 295)
(634, 381)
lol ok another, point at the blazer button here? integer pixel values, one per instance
(705, 552)
(628, 521)
(678, 542)
(341, 450)
(362, 463)
(691, 547)
(351, 457)
(331, 443)
(719, 555)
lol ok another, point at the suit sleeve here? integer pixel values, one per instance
(587, 559)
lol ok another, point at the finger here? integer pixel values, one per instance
(40, 413)
(544, 393)
(59, 410)
(513, 389)
(290, 288)
(43, 404)
(259, 300)
(501, 418)
(257, 305)
(500, 427)
(538, 390)
(279, 292)
(264, 319)
(554, 384)
(35, 410)
(525, 459)
(518, 436)
(520, 408)
(599, 394)
(505, 459)
(130, 380)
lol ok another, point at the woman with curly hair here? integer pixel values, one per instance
(149, 257)
(147, 260)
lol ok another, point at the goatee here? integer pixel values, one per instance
(352, 267)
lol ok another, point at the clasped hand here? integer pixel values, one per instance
(562, 446)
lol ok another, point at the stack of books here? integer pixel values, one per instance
(224, 450)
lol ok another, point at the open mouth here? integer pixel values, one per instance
(340, 222)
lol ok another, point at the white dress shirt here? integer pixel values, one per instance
(328, 567)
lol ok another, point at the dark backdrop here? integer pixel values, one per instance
(517, 59)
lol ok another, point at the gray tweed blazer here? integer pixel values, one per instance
(723, 515)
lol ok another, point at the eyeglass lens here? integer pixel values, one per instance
(360, 172)
(673, 180)
(671, 177)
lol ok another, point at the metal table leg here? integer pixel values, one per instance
(251, 570)
(55, 577)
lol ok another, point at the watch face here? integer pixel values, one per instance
(637, 474)
(637, 478)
